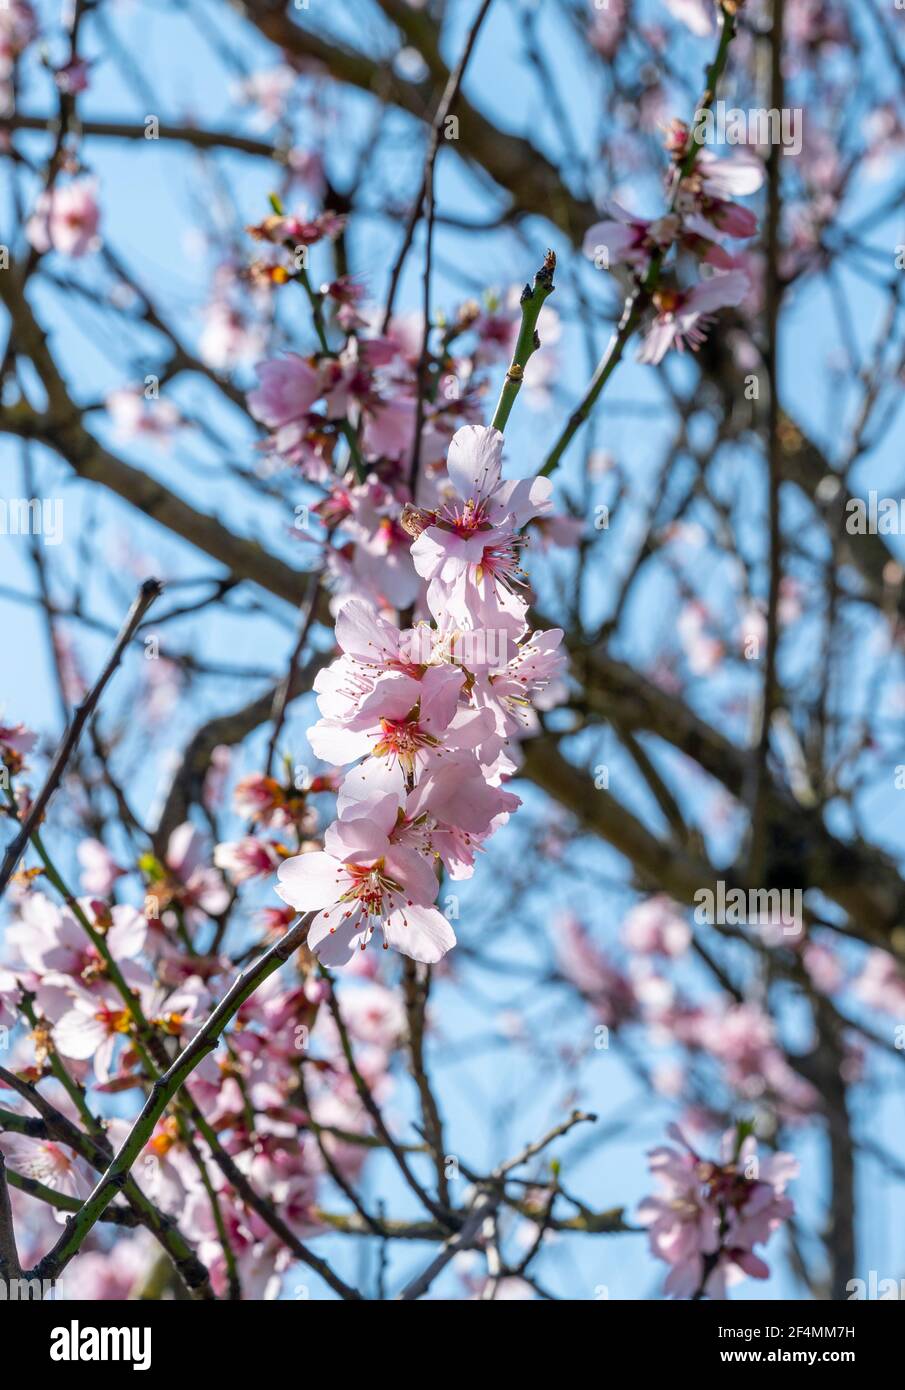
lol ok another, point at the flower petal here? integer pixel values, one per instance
(310, 881)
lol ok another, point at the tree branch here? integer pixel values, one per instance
(149, 591)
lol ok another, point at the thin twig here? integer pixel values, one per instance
(284, 689)
(416, 994)
(426, 199)
(149, 591)
(443, 111)
(637, 300)
(491, 1192)
(373, 1109)
(773, 296)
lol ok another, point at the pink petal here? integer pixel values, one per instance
(420, 932)
(310, 881)
(336, 743)
(475, 460)
(414, 873)
(334, 938)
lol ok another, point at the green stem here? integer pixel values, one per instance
(144, 1043)
(631, 317)
(72, 1088)
(229, 1255)
(532, 301)
(14, 1123)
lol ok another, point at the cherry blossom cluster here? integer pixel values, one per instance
(83, 1013)
(710, 1215)
(702, 211)
(95, 978)
(427, 718)
(733, 1043)
(369, 388)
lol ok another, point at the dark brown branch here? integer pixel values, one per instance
(134, 130)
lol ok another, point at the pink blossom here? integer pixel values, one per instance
(379, 701)
(742, 1037)
(382, 561)
(112, 1274)
(608, 26)
(427, 714)
(683, 316)
(450, 812)
(165, 1170)
(246, 858)
(262, 799)
(9, 998)
(375, 1015)
(736, 176)
(361, 882)
(288, 388)
(704, 651)
(704, 197)
(200, 886)
(268, 90)
(403, 725)
(89, 1026)
(389, 428)
(15, 741)
(216, 775)
(72, 77)
(656, 927)
(99, 869)
(134, 415)
(227, 337)
(711, 1215)
(307, 168)
(468, 549)
(66, 219)
(52, 943)
(628, 240)
(50, 1163)
(817, 22)
(18, 28)
(881, 984)
(512, 691)
(825, 968)
(606, 988)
